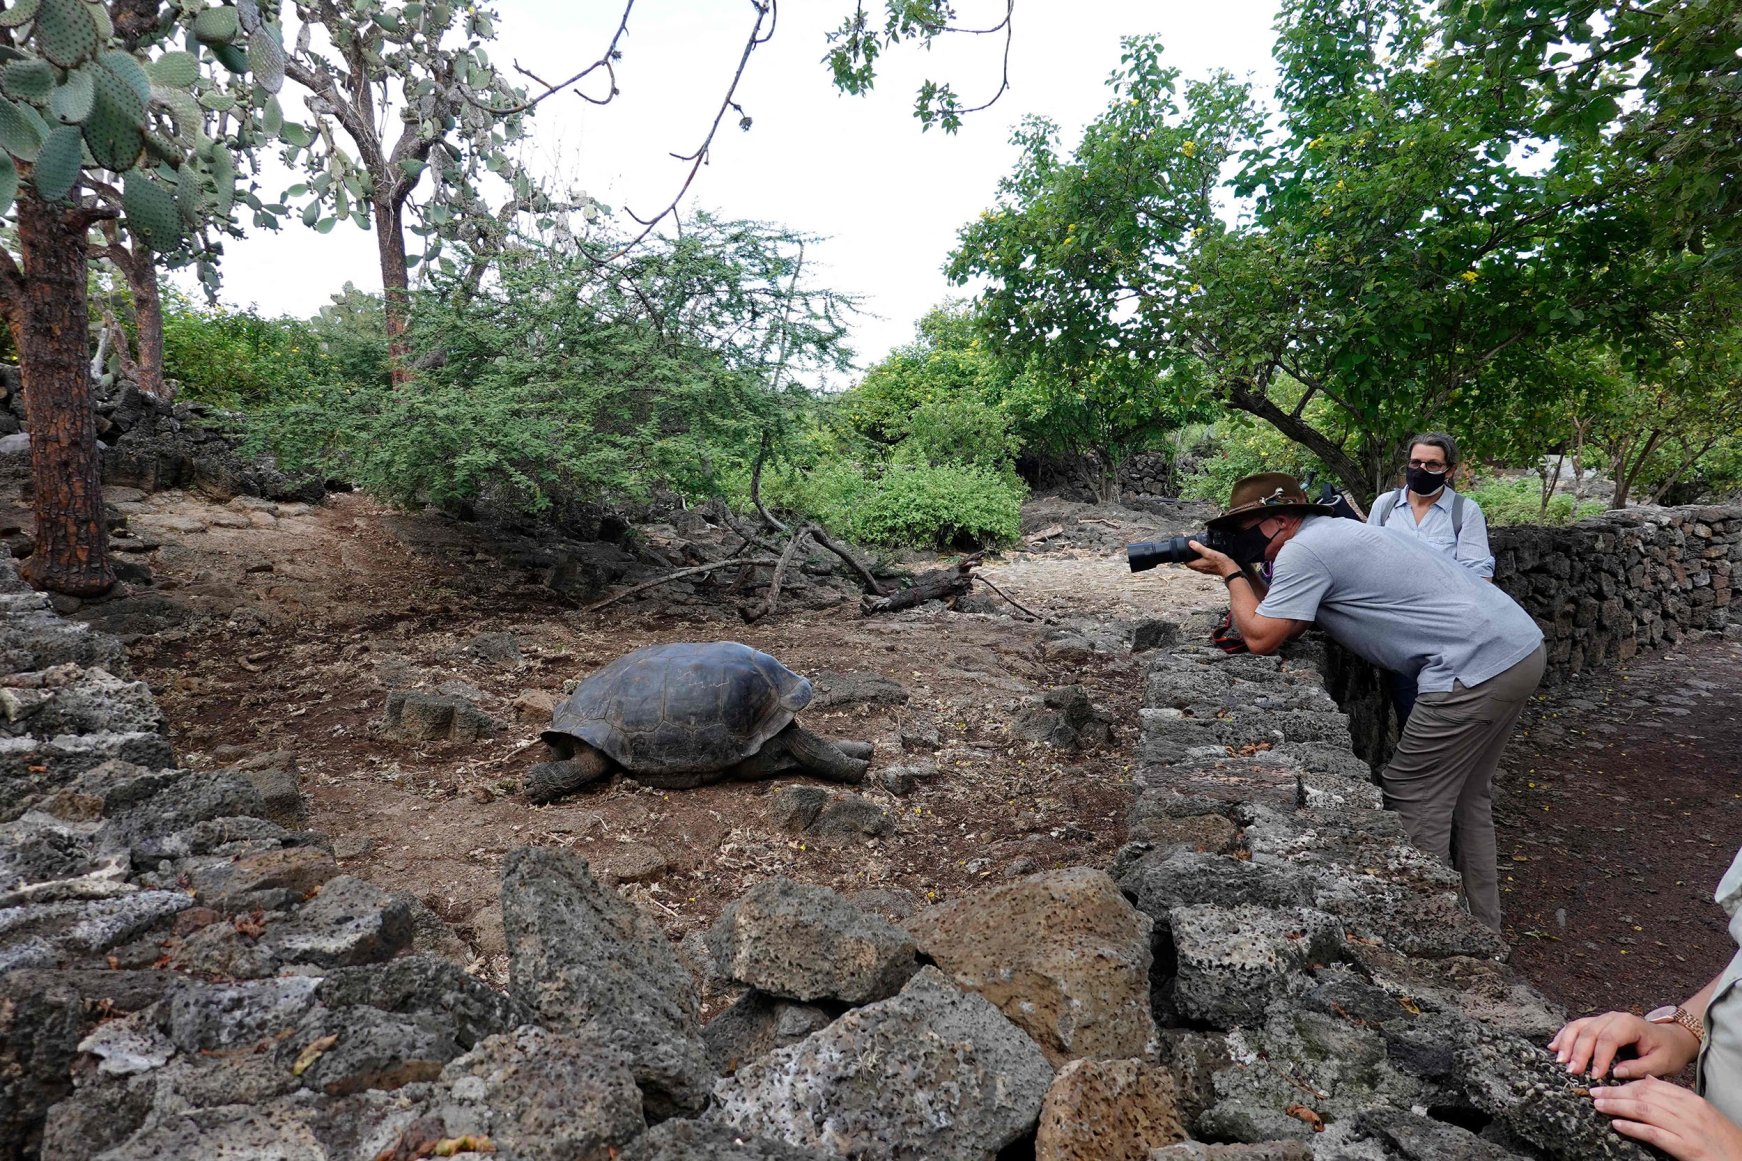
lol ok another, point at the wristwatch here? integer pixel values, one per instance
(1676, 1014)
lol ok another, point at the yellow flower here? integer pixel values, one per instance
(1469, 276)
(1189, 148)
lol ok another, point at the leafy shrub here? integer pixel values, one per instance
(1236, 446)
(907, 505)
(241, 359)
(1520, 502)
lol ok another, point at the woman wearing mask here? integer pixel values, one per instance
(1427, 510)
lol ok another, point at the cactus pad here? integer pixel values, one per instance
(28, 80)
(174, 70)
(218, 25)
(113, 130)
(20, 13)
(57, 163)
(8, 183)
(183, 109)
(230, 57)
(128, 69)
(72, 101)
(151, 212)
(18, 135)
(266, 58)
(66, 33)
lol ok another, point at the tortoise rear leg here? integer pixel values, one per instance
(854, 749)
(821, 757)
(549, 781)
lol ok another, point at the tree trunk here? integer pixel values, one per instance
(395, 285)
(50, 331)
(148, 318)
(1362, 480)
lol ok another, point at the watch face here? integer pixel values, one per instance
(1663, 1015)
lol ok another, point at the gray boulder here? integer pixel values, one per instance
(755, 1025)
(1233, 961)
(931, 1074)
(1522, 1087)
(582, 958)
(807, 943)
(349, 922)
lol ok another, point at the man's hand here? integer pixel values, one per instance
(1210, 561)
(1685, 1126)
(1592, 1043)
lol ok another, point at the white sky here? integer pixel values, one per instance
(858, 171)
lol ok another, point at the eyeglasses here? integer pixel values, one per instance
(1429, 465)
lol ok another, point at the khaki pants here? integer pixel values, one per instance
(1440, 779)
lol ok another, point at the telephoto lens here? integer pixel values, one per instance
(1146, 554)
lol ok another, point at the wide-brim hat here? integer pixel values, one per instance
(1273, 493)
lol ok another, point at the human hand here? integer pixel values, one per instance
(1211, 562)
(1674, 1119)
(1592, 1043)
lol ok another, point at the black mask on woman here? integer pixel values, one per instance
(1426, 483)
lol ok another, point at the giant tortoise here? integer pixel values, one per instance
(685, 715)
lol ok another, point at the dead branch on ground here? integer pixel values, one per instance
(677, 575)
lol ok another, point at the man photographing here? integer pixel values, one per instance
(1474, 655)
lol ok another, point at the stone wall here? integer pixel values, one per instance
(184, 973)
(1605, 588)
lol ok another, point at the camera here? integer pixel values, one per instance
(1176, 549)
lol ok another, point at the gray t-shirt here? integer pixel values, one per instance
(1398, 604)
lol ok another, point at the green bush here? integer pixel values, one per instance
(1520, 502)
(906, 505)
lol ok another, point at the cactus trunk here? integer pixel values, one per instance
(51, 331)
(395, 284)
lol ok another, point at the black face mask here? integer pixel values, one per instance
(1426, 483)
(1249, 545)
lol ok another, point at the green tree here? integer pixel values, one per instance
(103, 118)
(569, 380)
(939, 399)
(1400, 244)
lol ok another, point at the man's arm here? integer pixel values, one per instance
(1262, 634)
(1472, 549)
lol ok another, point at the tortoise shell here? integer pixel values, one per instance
(679, 709)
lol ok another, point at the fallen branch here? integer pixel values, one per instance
(678, 575)
(1012, 600)
(1096, 520)
(840, 550)
(780, 568)
(1044, 534)
(939, 584)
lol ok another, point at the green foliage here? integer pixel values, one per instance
(569, 380)
(1520, 502)
(1235, 446)
(240, 359)
(1414, 234)
(908, 505)
(936, 401)
(860, 40)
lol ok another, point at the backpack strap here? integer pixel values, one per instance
(1457, 515)
(1391, 499)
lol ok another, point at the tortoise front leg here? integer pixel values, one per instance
(549, 781)
(822, 757)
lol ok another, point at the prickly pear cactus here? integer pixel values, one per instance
(164, 115)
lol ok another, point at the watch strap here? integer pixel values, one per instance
(1687, 1020)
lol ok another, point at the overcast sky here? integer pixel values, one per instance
(858, 171)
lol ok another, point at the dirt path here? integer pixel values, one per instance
(280, 627)
(1621, 809)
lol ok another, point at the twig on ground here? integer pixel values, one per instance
(1012, 600)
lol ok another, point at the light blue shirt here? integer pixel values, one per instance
(1468, 547)
(1400, 605)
